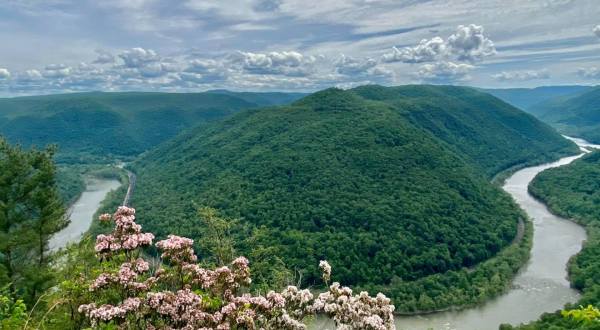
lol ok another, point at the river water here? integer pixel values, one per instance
(82, 212)
(541, 285)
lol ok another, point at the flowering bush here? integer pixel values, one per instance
(177, 293)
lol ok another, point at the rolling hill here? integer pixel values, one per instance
(577, 115)
(96, 125)
(525, 98)
(487, 132)
(388, 184)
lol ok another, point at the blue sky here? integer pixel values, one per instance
(54, 46)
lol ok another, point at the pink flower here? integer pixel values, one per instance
(105, 217)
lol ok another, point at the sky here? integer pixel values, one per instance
(55, 46)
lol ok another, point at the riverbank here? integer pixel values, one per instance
(82, 212)
(539, 287)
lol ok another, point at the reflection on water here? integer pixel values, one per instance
(542, 284)
(82, 212)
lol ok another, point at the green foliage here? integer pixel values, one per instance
(576, 115)
(95, 127)
(382, 182)
(488, 133)
(583, 315)
(31, 210)
(13, 313)
(70, 183)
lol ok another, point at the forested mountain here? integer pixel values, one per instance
(119, 124)
(487, 132)
(525, 98)
(390, 185)
(577, 115)
(573, 191)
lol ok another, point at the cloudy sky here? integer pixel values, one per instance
(51, 46)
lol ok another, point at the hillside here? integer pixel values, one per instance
(92, 125)
(577, 115)
(525, 98)
(340, 177)
(487, 132)
(573, 191)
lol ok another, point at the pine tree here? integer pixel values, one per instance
(31, 211)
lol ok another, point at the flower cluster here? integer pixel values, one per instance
(126, 236)
(180, 294)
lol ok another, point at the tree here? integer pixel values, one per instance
(31, 211)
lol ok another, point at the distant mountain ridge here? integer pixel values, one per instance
(577, 115)
(121, 124)
(525, 98)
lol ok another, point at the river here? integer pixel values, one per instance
(82, 212)
(541, 285)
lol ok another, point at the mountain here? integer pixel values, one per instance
(577, 115)
(363, 178)
(525, 98)
(487, 132)
(120, 124)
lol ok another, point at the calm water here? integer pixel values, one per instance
(82, 212)
(542, 284)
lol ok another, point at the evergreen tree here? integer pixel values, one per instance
(31, 211)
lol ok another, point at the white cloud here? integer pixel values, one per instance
(137, 57)
(289, 63)
(444, 72)
(467, 43)
(522, 75)
(104, 57)
(589, 73)
(351, 66)
(4, 74)
(470, 43)
(30, 75)
(57, 71)
(425, 51)
(596, 31)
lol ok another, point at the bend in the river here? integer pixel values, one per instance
(541, 286)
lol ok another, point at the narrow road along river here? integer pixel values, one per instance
(541, 286)
(82, 212)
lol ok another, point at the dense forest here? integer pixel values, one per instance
(576, 115)
(488, 133)
(365, 179)
(96, 127)
(573, 191)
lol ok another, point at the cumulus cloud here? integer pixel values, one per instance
(596, 31)
(444, 72)
(204, 71)
(522, 75)
(470, 43)
(284, 63)
(4, 73)
(467, 43)
(351, 66)
(138, 57)
(425, 51)
(589, 73)
(104, 57)
(57, 71)
(30, 75)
